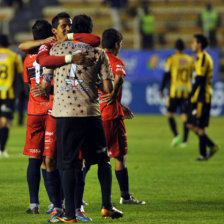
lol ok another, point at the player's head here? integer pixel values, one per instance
(61, 25)
(209, 6)
(199, 43)
(41, 30)
(82, 24)
(179, 45)
(4, 41)
(112, 40)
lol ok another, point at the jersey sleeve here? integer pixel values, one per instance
(200, 68)
(26, 74)
(46, 60)
(119, 68)
(19, 64)
(105, 70)
(168, 64)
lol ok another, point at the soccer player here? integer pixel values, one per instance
(41, 131)
(178, 73)
(113, 114)
(201, 96)
(61, 24)
(77, 112)
(10, 66)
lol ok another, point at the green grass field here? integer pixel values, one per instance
(177, 189)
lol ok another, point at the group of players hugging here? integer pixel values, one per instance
(66, 51)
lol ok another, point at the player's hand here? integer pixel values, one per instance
(37, 91)
(127, 113)
(82, 59)
(48, 40)
(108, 98)
(161, 94)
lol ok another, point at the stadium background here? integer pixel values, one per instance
(176, 188)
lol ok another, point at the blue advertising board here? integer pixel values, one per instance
(143, 98)
(145, 70)
(149, 65)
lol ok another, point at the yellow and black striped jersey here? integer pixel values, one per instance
(181, 68)
(203, 68)
(10, 65)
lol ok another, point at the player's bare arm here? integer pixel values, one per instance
(31, 44)
(111, 97)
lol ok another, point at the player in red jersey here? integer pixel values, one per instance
(113, 114)
(60, 30)
(41, 129)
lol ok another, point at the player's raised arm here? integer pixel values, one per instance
(29, 45)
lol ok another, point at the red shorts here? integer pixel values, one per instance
(40, 136)
(116, 137)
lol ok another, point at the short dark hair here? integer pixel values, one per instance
(110, 37)
(4, 40)
(202, 40)
(179, 45)
(55, 20)
(41, 30)
(82, 24)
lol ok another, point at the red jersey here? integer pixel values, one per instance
(114, 110)
(33, 75)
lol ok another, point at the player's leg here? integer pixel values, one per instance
(53, 182)
(6, 115)
(95, 152)
(171, 110)
(33, 180)
(80, 185)
(33, 148)
(69, 141)
(4, 134)
(185, 129)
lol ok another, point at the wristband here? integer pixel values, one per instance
(70, 36)
(68, 58)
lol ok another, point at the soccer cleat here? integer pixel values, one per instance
(33, 211)
(55, 214)
(213, 150)
(113, 213)
(82, 216)
(201, 159)
(50, 208)
(132, 201)
(5, 154)
(176, 141)
(64, 220)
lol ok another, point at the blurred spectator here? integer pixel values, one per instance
(147, 28)
(210, 20)
(11, 3)
(116, 6)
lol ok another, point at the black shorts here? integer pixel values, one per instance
(199, 114)
(174, 103)
(7, 108)
(85, 133)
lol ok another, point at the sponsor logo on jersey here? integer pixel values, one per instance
(35, 150)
